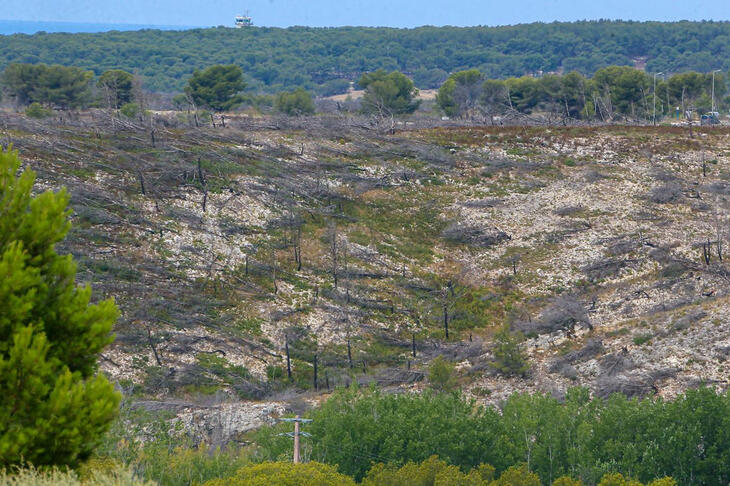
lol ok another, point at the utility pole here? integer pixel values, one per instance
(297, 420)
(654, 109)
(713, 88)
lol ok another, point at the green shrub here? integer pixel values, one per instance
(296, 103)
(130, 110)
(509, 358)
(617, 479)
(55, 477)
(642, 339)
(567, 481)
(517, 476)
(441, 374)
(431, 472)
(36, 110)
(285, 474)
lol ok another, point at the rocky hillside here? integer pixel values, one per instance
(352, 250)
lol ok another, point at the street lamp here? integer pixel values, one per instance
(713, 88)
(653, 117)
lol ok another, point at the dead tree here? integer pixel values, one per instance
(349, 353)
(203, 184)
(141, 183)
(333, 251)
(288, 357)
(151, 342)
(316, 383)
(273, 270)
(446, 319)
(707, 252)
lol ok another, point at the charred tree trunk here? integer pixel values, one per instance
(288, 358)
(446, 321)
(316, 384)
(349, 353)
(152, 345)
(707, 252)
(203, 184)
(141, 183)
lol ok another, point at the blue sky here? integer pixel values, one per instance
(394, 13)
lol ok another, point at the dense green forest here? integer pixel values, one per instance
(324, 59)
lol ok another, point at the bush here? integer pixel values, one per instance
(285, 474)
(36, 110)
(296, 103)
(617, 479)
(508, 355)
(55, 477)
(517, 476)
(432, 471)
(441, 374)
(130, 110)
(567, 481)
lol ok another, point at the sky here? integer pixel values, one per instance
(329, 13)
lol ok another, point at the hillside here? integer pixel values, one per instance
(321, 59)
(226, 247)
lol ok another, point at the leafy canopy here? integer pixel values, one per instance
(461, 92)
(217, 87)
(388, 94)
(296, 103)
(61, 86)
(116, 86)
(53, 405)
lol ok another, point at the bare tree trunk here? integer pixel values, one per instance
(273, 270)
(288, 358)
(141, 183)
(333, 252)
(203, 184)
(152, 345)
(446, 320)
(349, 352)
(316, 384)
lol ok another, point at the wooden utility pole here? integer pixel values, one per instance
(296, 442)
(297, 420)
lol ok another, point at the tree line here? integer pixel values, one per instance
(612, 93)
(584, 438)
(324, 60)
(42, 87)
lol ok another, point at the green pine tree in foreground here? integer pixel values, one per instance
(53, 405)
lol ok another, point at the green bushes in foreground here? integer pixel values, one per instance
(431, 472)
(687, 438)
(56, 477)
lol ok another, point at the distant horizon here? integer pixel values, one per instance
(340, 13)
(31, 27)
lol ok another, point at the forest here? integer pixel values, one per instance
(324, 60)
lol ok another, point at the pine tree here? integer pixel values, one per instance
(509, 358)
(53, 404)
